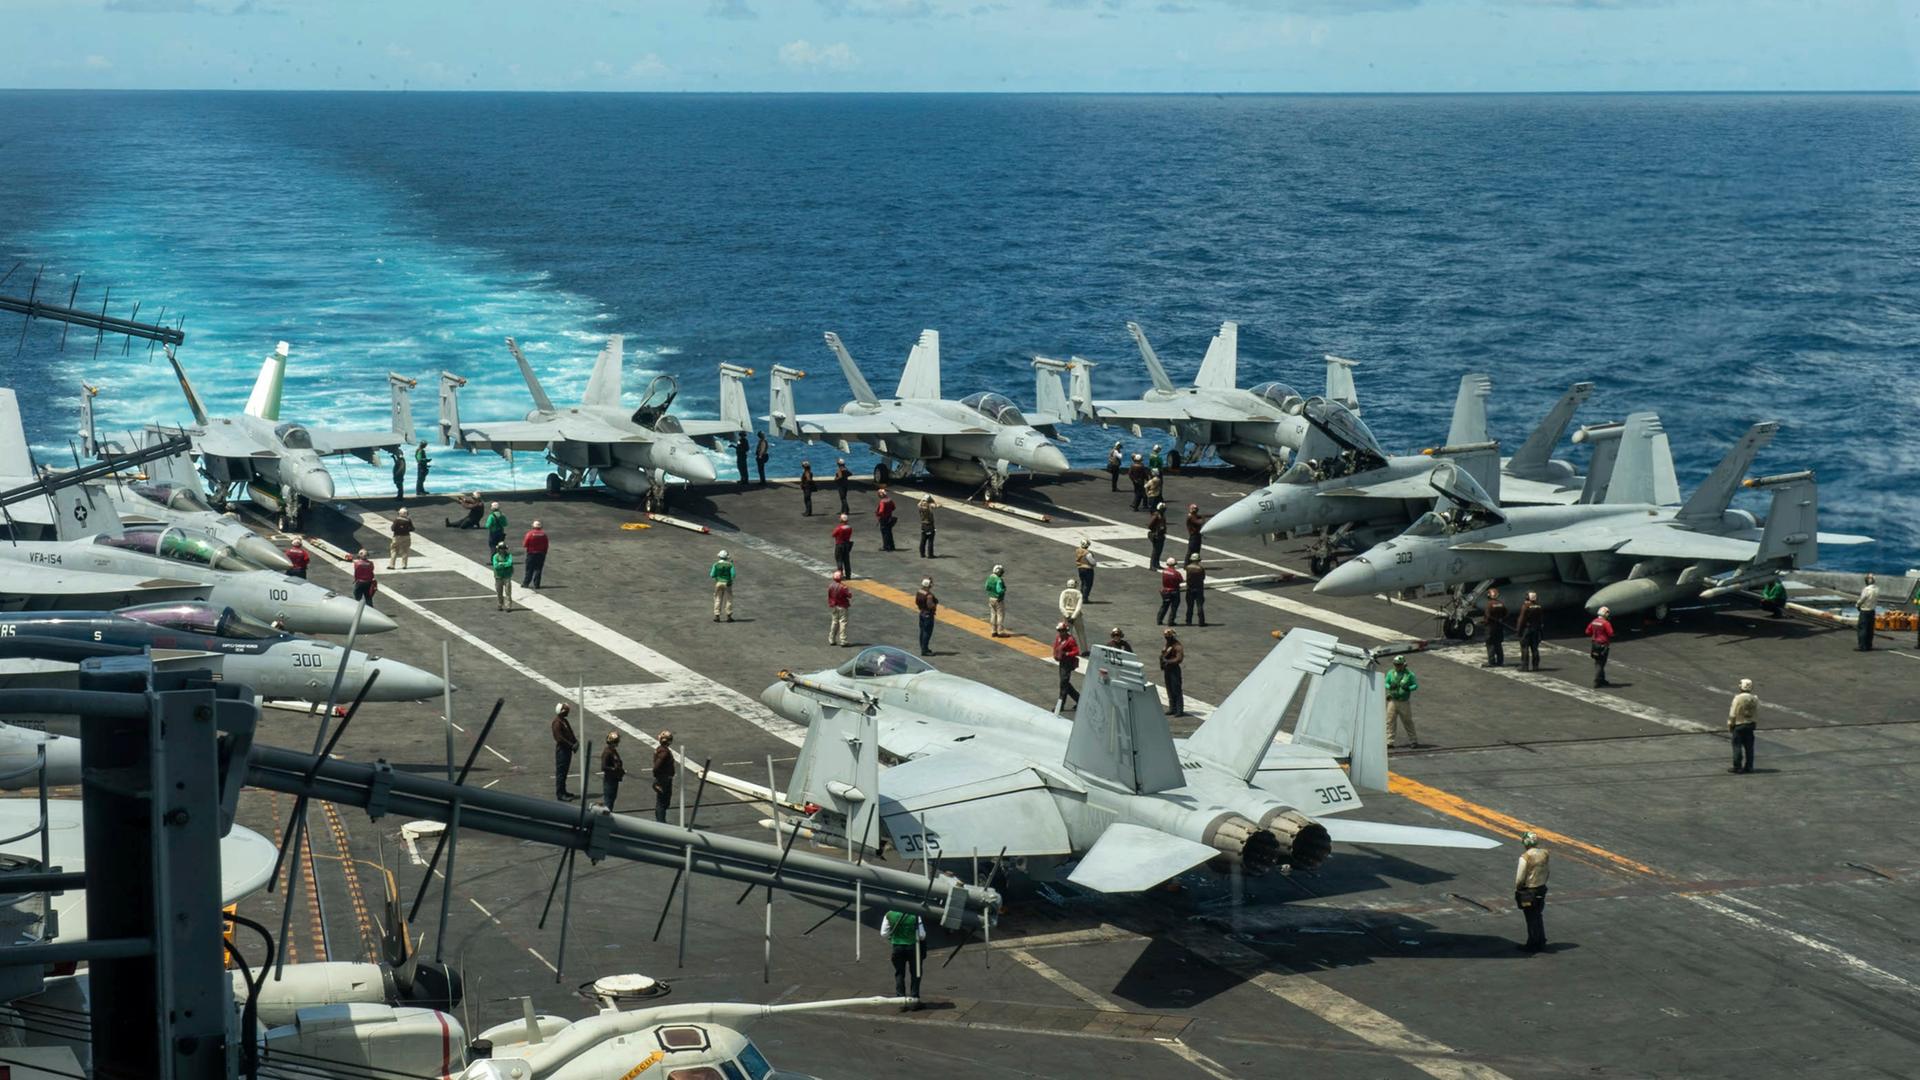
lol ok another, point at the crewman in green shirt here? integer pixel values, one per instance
(997, 601)
(502, 577)
(1400, 687)
(905, 933)
(722, 575)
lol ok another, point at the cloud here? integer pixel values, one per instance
(649, 66)
(731, 9)
(879, 9)
(804, 55)
(96, 62)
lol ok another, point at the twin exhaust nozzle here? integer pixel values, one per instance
(1288, 838)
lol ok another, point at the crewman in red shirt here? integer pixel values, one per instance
(839, 599)
(535, 545)
(297, 555)
(1066, 653)
(843, 547)
(363, 583)
(1170, 581)
(1600, 631)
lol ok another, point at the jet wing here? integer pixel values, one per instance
(1131, 858)
(24, 579)
(1515, 491)
(534, 434)
(1162, 413)
(961, 801)
(860, 427)
(1404, 487)
(1680, 544)
(331, 441)
(219, 439)
(1349, 831)
(1576, 539)
(701, 429)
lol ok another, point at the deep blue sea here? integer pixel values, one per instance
(1718, 258)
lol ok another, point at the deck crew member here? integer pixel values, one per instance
(1400, 687)
(1072, 608)
(740, 458)
(1155, 485)
(1530, 891)
(297, 555)
(1066, 653)
(1154, 461)
(884, 512)
(400, 545)
(839, 599)
(722, 575)
(1528, 624)
(502, 563)
(612, 770)
(929, 607)
(1196, 589)
(1157, 533)
(1195, 519)
(1137, 476)
(761, 452)
(535, 545)
(1118, 640)
(399, 474)
(363, 584)
(565, 742)
(843, 546)
(926, 526)
(1083, 566)
(496, 525)
(664, 769)
(421, 463)
(1868, 605)
(841, 478)
(808, 485)
(905, 935)
(1600, 632)
(1742, 714)
(997, 601)
(471, 507)
(1496, 629)
(1114, 459)
(1172, 655)
(1170, 582)
(1773, 599)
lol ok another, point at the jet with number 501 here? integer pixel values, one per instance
(977, 438)
(983, 774)
(276, 664)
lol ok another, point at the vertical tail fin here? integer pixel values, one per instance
(1080, 392)
(264, 402)
(1340, 386)
(89, 435)
(178, 470)
(921, 377)
(603, 386)
(540, 399)
(856, 382)
(402, 388)
(450, 385)
(1530, 461)
(1605, 439)
(1633, 477)
(733, 396)
(1220, 369)
(1050, 404)
(1120, 732)
(193, 400)
(1481, 463)
(780, 407)
(1152, 359)
(79, 512)
(1346, 717)
(1710, 500)
(1793, 521)
(16, 461)
(1470, 411)
(1345, 714)
(839, 771)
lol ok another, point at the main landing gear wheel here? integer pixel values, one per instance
(1458, 629)
(1321, 565)
(554, 483)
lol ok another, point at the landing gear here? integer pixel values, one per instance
(1321, 565)
(554, 484)
(1461, 629)
(1456, 621)
(1323, 556)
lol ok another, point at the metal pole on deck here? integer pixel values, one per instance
(446, 704)
(566, 902)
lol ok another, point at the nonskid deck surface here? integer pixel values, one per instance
(1702, 924)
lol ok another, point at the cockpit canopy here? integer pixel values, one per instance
(1342, 426)
(1285, 397)
(1430, 523)
(177, 496)
(655, 402)
(1458, 486)
(880, 660)
(198, 619)
(994, 407)
(293, 437)
(166, 542)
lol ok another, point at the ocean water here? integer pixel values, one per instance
(1720, 259)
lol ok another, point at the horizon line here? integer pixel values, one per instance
(1914, 91)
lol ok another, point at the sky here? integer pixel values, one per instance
(1226, 46)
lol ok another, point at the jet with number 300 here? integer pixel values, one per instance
(981, 773)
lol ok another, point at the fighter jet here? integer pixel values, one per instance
(984, 774)
(276, 664)
(1623, 553)
(627, 449)
(977, 438)
(1252, 428)
(278, 463)
(96, 564)
(1343, 480)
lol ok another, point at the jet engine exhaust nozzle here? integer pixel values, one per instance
(1304, 840)
(1244, 844)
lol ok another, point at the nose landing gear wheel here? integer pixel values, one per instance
(554, 483)
(1320, 565)
(1458, 629)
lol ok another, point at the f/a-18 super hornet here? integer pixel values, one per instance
(1343, 481)
(97, 564)
(627, 448)
(983, 773)
(279, 462)
(1253, 428)
(1620, 553)
(976, 439)
(276, 664)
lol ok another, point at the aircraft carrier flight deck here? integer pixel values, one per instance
(1701, 924)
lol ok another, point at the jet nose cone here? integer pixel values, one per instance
(1048, 459)
(263, 552)
(335, 616)
(404, 682)
(693, 466)
(315, 484)
(775, 697)
(1351, 578)
(1240, 519)
(377, 622)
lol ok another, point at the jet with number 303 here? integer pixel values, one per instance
(1110, 795)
